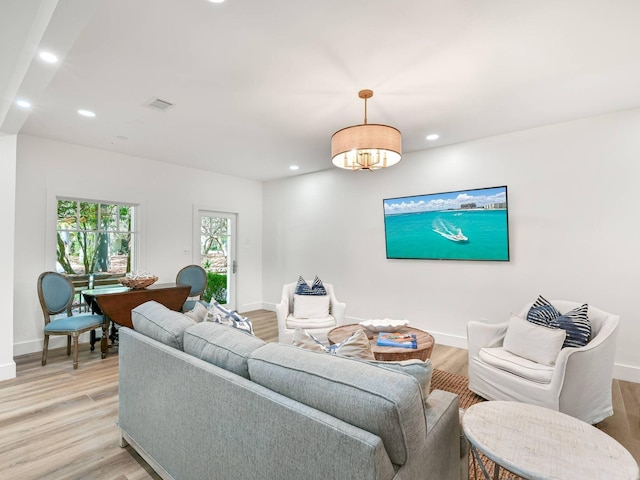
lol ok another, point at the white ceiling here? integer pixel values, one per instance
(259, 85)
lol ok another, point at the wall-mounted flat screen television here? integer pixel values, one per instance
(460, 225)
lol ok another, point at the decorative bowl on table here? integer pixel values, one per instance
(138, 282)
(384, 325)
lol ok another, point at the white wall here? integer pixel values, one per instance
(573, 227)
(7, 213)
(167, 195)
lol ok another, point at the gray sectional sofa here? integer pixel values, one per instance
(207, 401)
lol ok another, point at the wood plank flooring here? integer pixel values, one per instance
(57, 423)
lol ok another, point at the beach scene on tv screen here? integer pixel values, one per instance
(460, 225)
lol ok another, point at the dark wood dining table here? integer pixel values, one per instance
(116, 303)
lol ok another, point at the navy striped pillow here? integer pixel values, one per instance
(575, 323)
(542, 312)
(317, 288)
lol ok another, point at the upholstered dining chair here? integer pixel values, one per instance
(573, 380)
(196, 277)
(311, 318)
(56, 293)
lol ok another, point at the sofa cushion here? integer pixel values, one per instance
(221, 345)
(537, 343)
(160, 323)
(500, 358)
(380, 401)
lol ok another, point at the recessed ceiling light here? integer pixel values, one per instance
(216, 1)
(23, 103)
(433, 136)
(48, 57)
(291, 167)
(86, 113)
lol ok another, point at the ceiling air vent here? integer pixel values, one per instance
(158, 104)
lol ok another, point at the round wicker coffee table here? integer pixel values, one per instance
(541, 444)
(388, 354)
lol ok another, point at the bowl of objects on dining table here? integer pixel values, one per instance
(138, 281)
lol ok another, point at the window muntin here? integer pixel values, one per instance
(95, 237)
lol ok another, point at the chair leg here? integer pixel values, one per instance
(92, 340)
(68, 345)
(75, 351)
(45, 349)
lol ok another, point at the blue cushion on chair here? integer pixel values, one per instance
(74, 324)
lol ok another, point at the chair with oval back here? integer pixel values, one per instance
(196, 277)
(56, 293)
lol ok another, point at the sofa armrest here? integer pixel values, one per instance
(480, 335)
(447, 459)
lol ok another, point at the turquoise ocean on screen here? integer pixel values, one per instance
(463, 234)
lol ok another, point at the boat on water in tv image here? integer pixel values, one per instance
(461, 225)
(449, 231)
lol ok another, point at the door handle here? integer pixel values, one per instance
(234, 266)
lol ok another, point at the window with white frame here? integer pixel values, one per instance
(94, 236)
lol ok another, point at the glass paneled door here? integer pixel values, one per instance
(216, 248)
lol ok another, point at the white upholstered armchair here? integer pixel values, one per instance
(317, 325)
(579, 384)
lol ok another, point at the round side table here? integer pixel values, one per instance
(538, 443)
(388, 354)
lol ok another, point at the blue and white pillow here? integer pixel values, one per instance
(542, 312)
(357, 345)
(575, 323)
(303, 288)
(218, 314)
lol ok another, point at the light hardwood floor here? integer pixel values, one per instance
(57, 423)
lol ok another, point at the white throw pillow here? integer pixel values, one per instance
(533, 342)
(198, 313)
(310, 306)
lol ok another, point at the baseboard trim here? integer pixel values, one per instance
(628, 373)
(265, 306)
(249, 307)
(8, 371)
(55, 341)
(450, 340)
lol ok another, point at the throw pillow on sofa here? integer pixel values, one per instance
(575, 323)
(356, 349)
(218, 314)
(421, 371)
(198, 313)
(356, 345)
